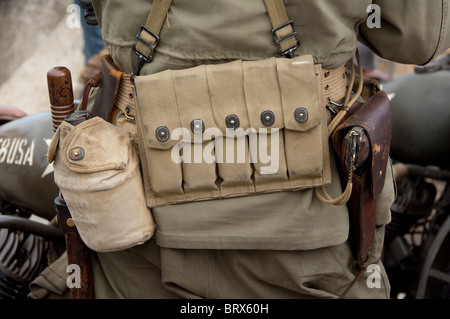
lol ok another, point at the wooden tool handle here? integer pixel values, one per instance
(61, 100)
(60, 93)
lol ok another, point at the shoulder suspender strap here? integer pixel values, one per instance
(283, 29)
(148, 35)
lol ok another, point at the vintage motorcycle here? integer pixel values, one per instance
(28, 238)
(416, 254)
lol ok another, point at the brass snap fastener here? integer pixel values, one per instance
(70, 222)
(267, 118)
(162, 134)
(232, 121)
(76, 154)
(301, 115)
(197, 126)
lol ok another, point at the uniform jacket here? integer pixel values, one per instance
(203, 31)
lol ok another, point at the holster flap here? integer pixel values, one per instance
(375, 118)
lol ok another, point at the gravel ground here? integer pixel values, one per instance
(35, 38)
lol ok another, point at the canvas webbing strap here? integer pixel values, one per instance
(148, 35)
(334, 89)
(283, 30)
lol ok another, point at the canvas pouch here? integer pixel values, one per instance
(232, 129)
(97, 171)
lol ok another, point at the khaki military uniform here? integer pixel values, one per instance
(277, 245)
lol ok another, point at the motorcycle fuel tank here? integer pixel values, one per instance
(420, 105)
(26, 178)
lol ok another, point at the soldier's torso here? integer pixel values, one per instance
(200, 32)
(211, 32)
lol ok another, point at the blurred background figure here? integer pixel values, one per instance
(93, 42)
(37, 36)
(94, 47)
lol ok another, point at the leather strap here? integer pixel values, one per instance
(108, 88)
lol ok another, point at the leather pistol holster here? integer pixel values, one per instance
(375, 119)
(108, 89)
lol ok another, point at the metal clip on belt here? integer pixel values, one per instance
(142, 58)
(148, 36)
(289, 53)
